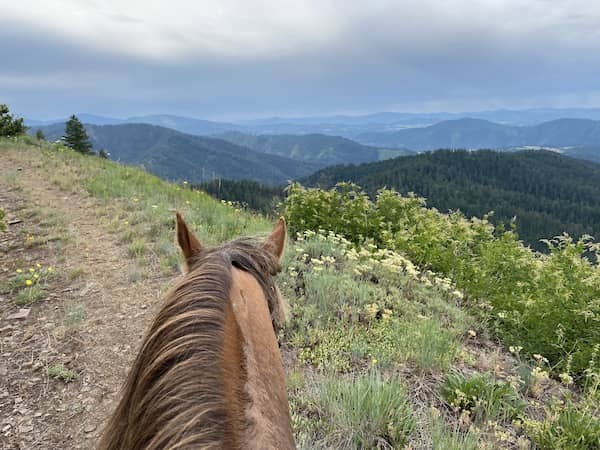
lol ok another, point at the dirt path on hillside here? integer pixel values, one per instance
(37, 410)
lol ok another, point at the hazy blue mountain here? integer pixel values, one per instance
(319, 149)
(185, 124)
(336, 125)
(177, 156)
(477, 133)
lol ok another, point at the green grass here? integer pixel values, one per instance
(75, 314)
(357, 412)
(29, 295)
(60, 372)
(568, 426)
(448, 437)
(483, 397)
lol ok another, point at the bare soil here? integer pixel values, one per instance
(91, 267)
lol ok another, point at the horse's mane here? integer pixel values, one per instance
(173, 396)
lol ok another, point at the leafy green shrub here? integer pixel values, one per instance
(482, 396)
(567, 426)
(545, 304)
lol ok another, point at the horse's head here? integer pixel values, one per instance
(270, 250)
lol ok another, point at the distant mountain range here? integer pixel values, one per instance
(182, 124)
(318, 149)
(177, 156)
(471, 133)
(340, 125)
(547, 192)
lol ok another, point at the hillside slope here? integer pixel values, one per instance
(177, 156)
(320, 149)
(377, 352)
(547, 193)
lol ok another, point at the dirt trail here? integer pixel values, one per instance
(42, 412)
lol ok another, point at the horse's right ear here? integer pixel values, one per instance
(190, 246)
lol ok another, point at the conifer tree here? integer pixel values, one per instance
(9, 126)
(76, 137)
(40, 135)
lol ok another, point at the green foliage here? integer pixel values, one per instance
(248, 193)
(39, 135)
(546, 304)
(364, 411)
(483, 397)
(2, 222)
(371, 307)
(76, 137)
(548, 193)
(567, 426)
(103, 154)
(60, 372)
(9, 125)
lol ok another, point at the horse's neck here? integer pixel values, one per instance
(267, 411)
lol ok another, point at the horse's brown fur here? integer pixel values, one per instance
(192, 384)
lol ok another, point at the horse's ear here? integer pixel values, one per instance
(275, 243)
(190, 246)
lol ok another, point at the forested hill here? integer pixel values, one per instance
(547, 192)
(177, 156)
(320, 149)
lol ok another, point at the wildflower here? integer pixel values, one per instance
(154, 206)
(19, 271)
(28, 282)
(472, 333)
(374, 361)
(38, 265)
(516, 349)
(36, 276)
(566, 379)
(187, 202)
(31, 270)
(50, 269)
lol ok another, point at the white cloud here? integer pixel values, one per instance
(260, 29)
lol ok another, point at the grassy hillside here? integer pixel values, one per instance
(547, 193)
(380, 352)
(176, 156)
(318, 149)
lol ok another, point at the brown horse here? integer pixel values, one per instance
(209, 373)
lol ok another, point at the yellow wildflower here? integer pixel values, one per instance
(36, 276)
(19, 271)
(31, 269)
(38, 265)
(28, 282)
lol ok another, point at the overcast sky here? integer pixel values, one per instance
(230, 59)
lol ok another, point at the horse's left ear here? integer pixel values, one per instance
(190, 246)
(275, 243)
